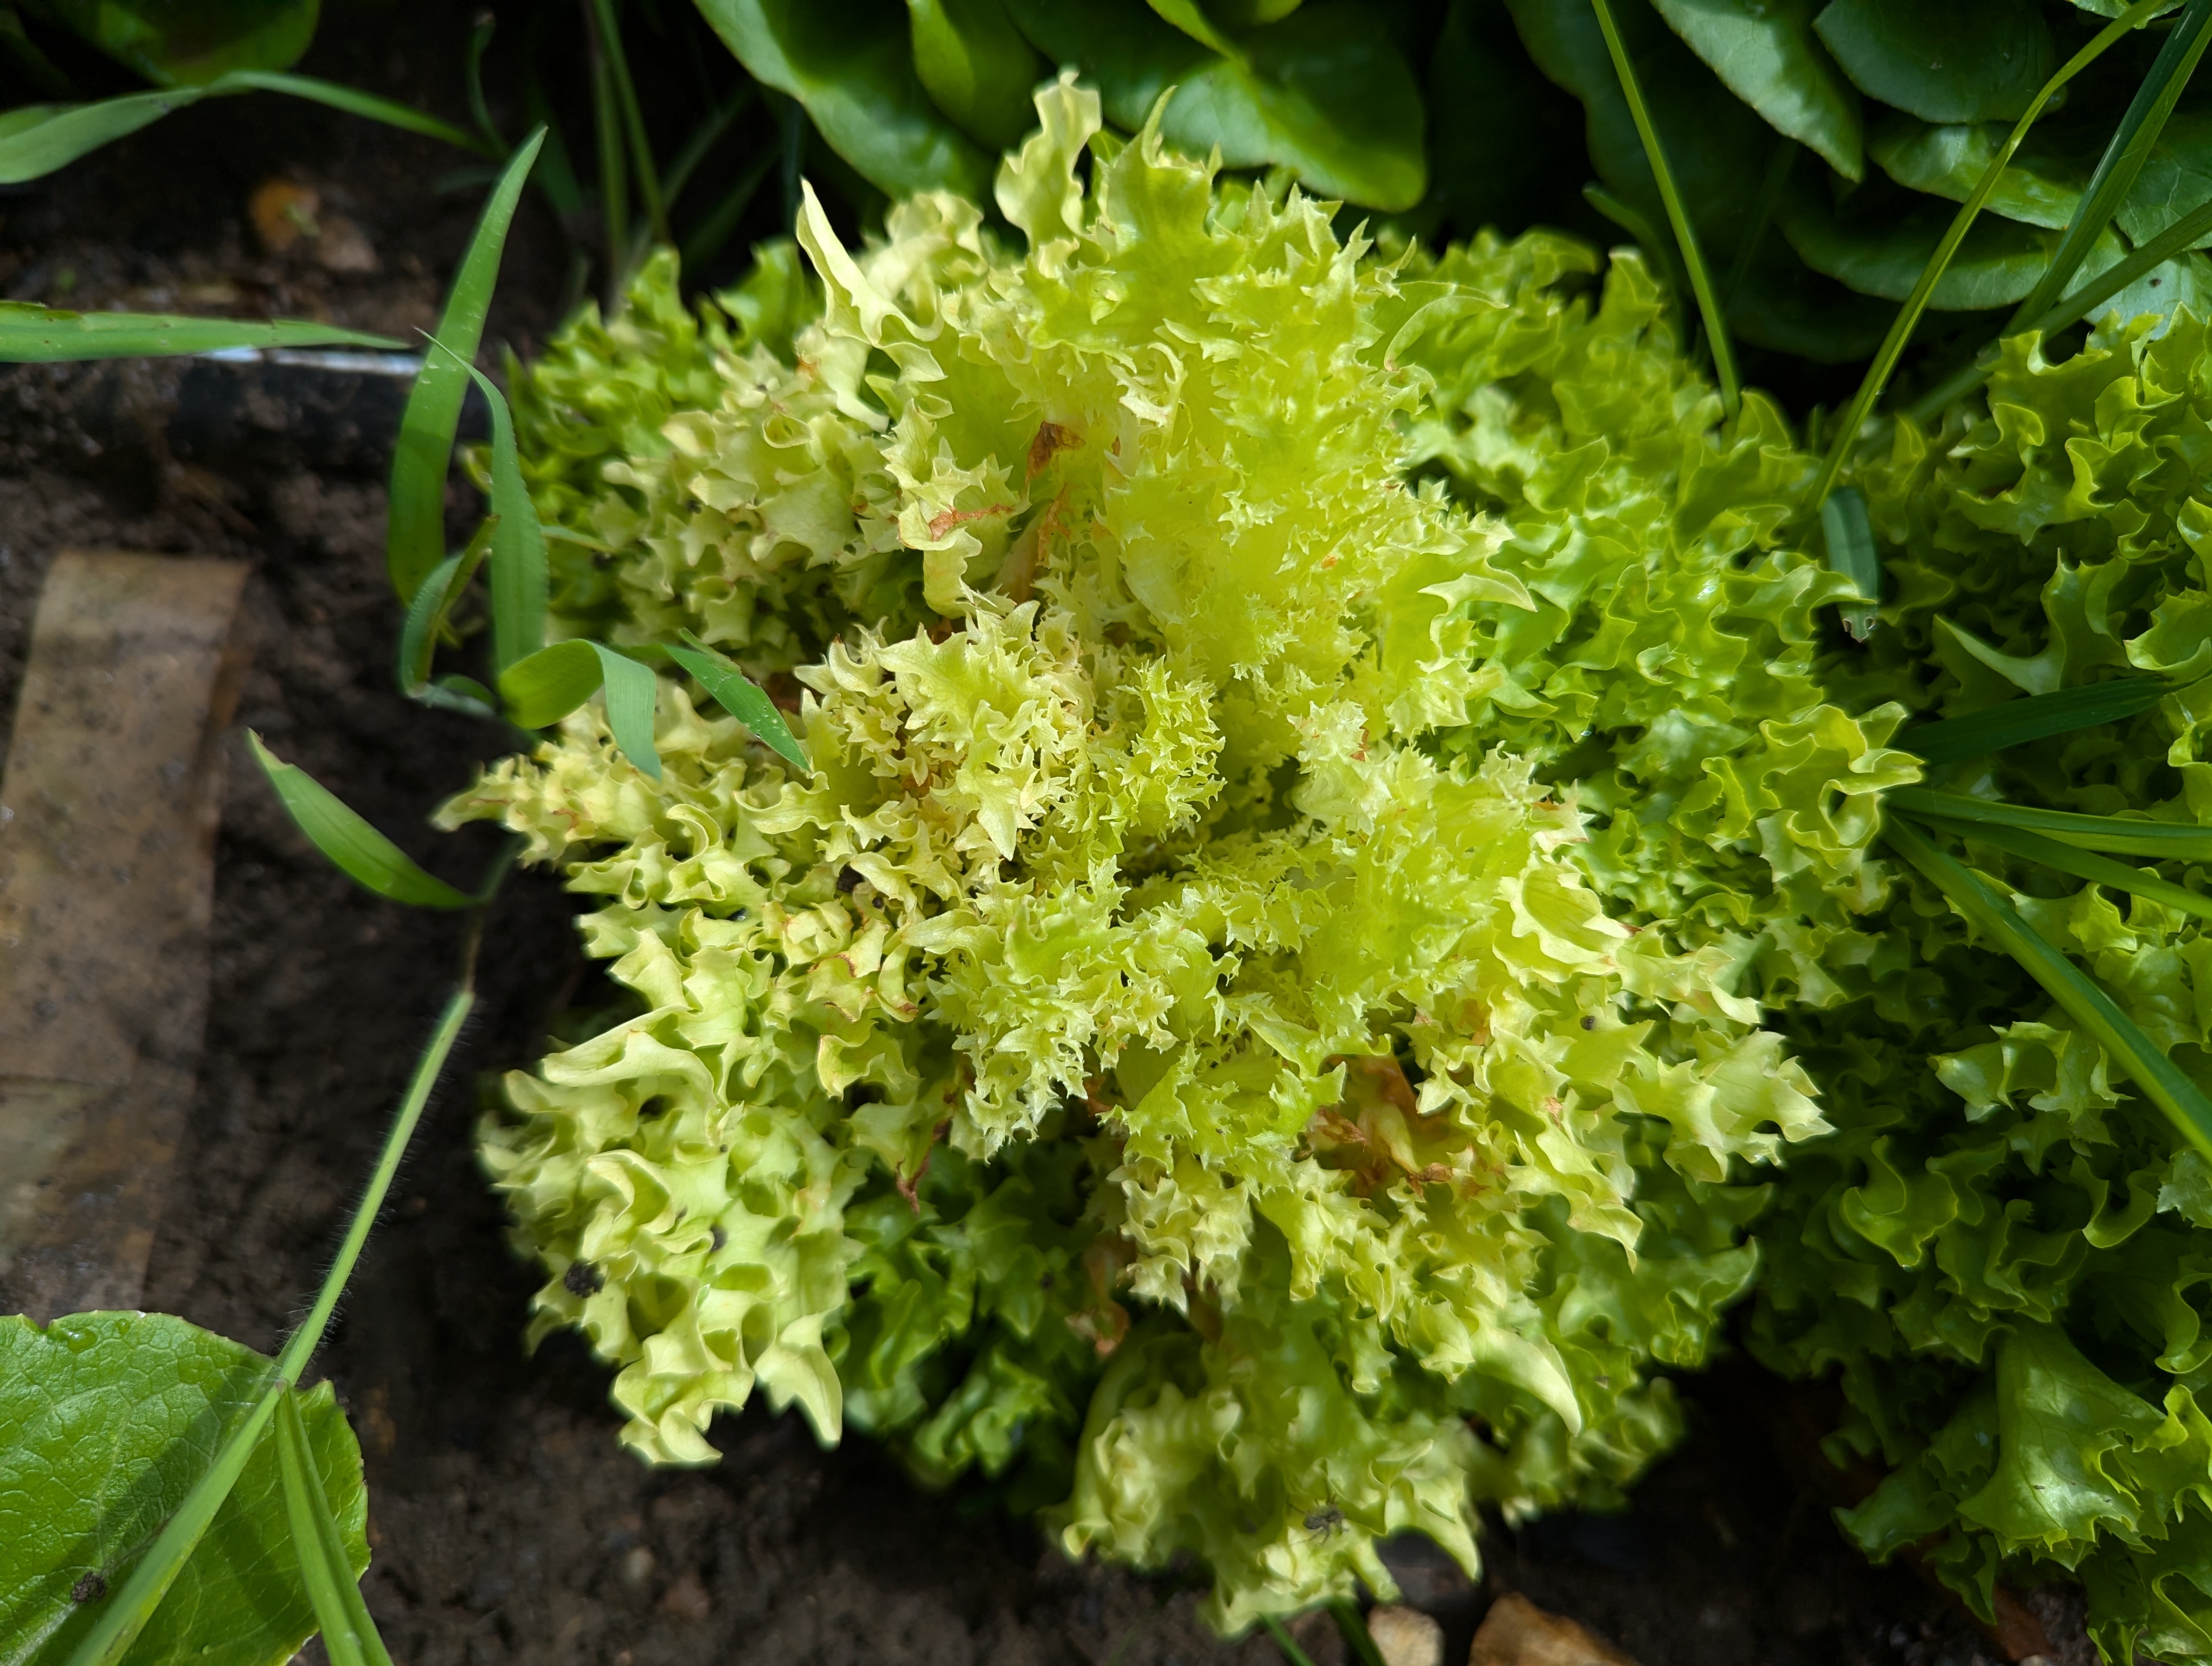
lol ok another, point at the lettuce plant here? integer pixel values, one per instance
(1238, 1027)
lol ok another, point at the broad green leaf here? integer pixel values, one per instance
(326, 1570)
(545, 687)
(1880, 243)
(2161, 1082)
(2113, 834)
(1678, 219)
(518, 580)
(852, 67)
(1764, 52)
(1850, 538)
(2033, 717)
(1324, 92)
(191, 42)
(31, 334)
(2176, 177)
(37, 138)
(2082, 864)
(415, 525)
(110, 1421)
(739, 696)
(1951, 60)
(1785, 305)
(357, 849)
(2040, 186)
(2124, 156)
(976, 67)
(1185, 15)
(1497, 127)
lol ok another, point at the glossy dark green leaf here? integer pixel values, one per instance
(1849, 535)
(2176, 177)
(1953, 60)
(2040, 186)
(739, 696)
(1784, 304)
(2033, 717)
(356, 849)
(1764, 51)
(852, 67)
(1187, 15)
(545, 687)
(1879, 243)
(976, 67)
(2116, 836)
(332, 1583)
(112, 1419)
(2161, 1082)
(31, 334)
(1325, 93)
(191, 42)
(415, 523)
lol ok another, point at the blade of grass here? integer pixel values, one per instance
(31, 334)
(349, 1636)
(542, 690)
(2082, 864)
(1656, 249)
(2113, 834)
(356, 849)
(614, 178)
(425, 625)
(479, 110)
(1908, 316)
(354, 102)
(739, 696)
(2124, 156)
(415, 525)
(1356, 1637)
(708, 236)
(2159, 1078)
(37, 138)
(1849, 537)
(2035, 717)
(633, 117)
(2182, 234)
(518, 581)
(111, 1638)
(1292, 1655)
(702, 138)
(1685, 236)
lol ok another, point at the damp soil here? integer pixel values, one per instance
(506, 1522)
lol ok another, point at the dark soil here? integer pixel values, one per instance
(506, 1523)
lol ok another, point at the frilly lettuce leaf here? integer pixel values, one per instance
(1248, 1031)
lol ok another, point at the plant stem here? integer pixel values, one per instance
(1685, 236)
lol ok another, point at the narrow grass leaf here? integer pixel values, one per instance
(356, 849)
(2161, 1080)
(2082, 864)
(107, 1642)
(2181, 235)
(1356, 1637)
(2124, 155)
(1908, 315)
(1292, 1655)
(542, 689)
(2034, 717)
(739, 696)
(633, 692)
(39, 138)
(425, 624)
(415, 527)
(349, 1636)
(2115, 836)
(518, 580)
(633, 117)
(354, 102)
(1850, 536)
(31, 334)
(1685, 236)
